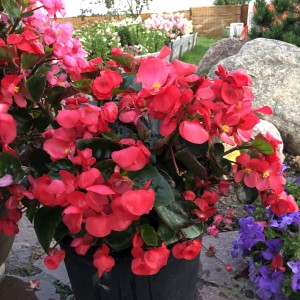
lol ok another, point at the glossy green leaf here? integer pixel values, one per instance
(166, 233)
(23, 118)
(31, 208)
(174, 215)
(192, 164)
(123, 59)
(27, 14)
(193, 231)
(106, 167)
(61, 164)
(6, 53)
(9, 164)
(129, 82)
(149, 235)
(55, 94)
(163, 192)
(36, 86)
(246, 194)
(39, 161)
(11, 8)
(45, 223)
(83, 86)
(29, 59)
(119, 240)
(262, 145)
(101, 147)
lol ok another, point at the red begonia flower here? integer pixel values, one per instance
(193, 131)
(102, 261)
(54, 259)
(138, 202)
(187, 250)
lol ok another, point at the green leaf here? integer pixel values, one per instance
(29, 59)
(119, 240)
(54, 95)
(6, 53)
(36, 86)
(27, 14)
(31, 208)
(192, 164)
(106, 167)
(123, 59)
(166, 233)
(262, 145)
(246, 194)
(163, 192)
(23, 118)
(11, 8)
(101, 147)
(9, 164)
(218, 151)
(61, 164)
(174, 215)
(149, 235)
(83, 86)
(110, 136)
(39, 160)
(128, 82)
(46, 221)
(193, 231)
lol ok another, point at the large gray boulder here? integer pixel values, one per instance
(274, 67)
(218, 51)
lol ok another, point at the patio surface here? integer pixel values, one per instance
(25, 263)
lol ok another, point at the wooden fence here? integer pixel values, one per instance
(209, 21)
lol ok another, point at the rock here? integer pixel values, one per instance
(220, 50)
(274, 67)
(263, 127)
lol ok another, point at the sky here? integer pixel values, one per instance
(73, 7)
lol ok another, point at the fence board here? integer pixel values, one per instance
(209, 21)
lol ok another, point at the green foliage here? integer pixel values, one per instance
(98, 38)
(282, 23)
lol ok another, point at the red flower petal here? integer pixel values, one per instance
(193, 131)
(138, 202)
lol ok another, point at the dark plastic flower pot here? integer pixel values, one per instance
(175, 281)
(6, 243)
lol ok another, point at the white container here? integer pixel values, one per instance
(236, 29)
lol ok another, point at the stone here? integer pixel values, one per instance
(274, 67)
(218, 51)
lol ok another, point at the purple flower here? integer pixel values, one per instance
(295, 266)
(285, 220)
(250, 209)
(238, 248)
(273, 248)
(250, 232)
(269, 283)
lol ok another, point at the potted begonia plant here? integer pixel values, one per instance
(121, 164)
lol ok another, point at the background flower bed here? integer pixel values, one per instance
(132, 35)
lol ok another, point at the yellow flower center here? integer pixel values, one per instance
(67, 150)
(225, 128)
(238, 105)
(266, 174)
(248, 170)
(156, 85)
(16, 89)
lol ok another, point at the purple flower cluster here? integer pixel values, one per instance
(263, 270)
(285, 220)
(250, 233)
(295, 266)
